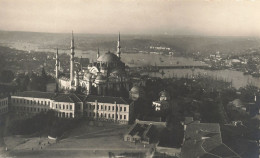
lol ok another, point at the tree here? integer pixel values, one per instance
(44, 80)
(248, 93)
(6, 76)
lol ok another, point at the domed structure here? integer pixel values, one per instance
(135, 89)
(106, 74)
(164, 95)
(136, 92)
(117, 72)
(108, 58)
(100, 78)
(88, 76)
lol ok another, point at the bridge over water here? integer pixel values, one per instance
(157, 68)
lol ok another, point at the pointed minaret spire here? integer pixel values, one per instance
(72, 59)
(98, 53)
(57, 64)
(118, 47)
(81, 62)
(72, 40)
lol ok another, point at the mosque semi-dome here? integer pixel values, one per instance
(108, 58)
(117, 71)
(88, 76)
(164, 94)
(100, 77)
(136, 89)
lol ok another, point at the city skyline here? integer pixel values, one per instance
(173, 17)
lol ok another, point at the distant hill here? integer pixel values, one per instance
(183, 44)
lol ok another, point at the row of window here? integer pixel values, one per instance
(29, 109)
(109, 108)
(24, 101)
(108, 116)
(64, 107)
(64, 115)
(3, 110)
(4, 102)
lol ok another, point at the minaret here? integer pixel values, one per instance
(57, 64)
(72, 59)
(118, 47)
(98, 53)
(81, 63)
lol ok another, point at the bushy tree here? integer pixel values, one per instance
(6, 76)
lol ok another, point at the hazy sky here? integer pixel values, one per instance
(199, 17)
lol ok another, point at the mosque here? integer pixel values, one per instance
(106, 74)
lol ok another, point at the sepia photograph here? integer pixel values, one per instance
(129, 78)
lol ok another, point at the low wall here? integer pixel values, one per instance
(169, 151)
(151, 122)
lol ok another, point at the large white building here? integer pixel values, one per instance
(108, 108)
(106, 74)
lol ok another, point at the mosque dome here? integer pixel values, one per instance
(108, 58)
(164, 94)
(88, 76)
(137, 89)
(100, 77)
(117, 71)
(93, 77)
(136, 92)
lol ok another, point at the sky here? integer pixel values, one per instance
(173, 17)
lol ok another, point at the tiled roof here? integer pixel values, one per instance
(204, 140)
(141, 130)
(35, 94)
(107, 99)
(71, 98)
(58, 97)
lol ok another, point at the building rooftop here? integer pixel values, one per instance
(107, 99)
(140, 130)
(70, 98)
(35, 94)
(204, 140)
(108, 58)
